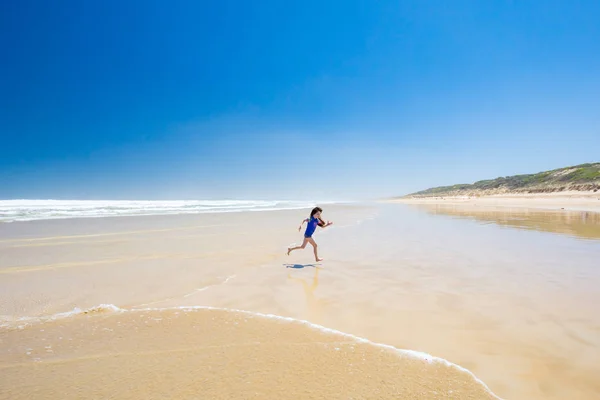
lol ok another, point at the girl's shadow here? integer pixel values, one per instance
(300, 266)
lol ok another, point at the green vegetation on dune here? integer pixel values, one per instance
(584, 177)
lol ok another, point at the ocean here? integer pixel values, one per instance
(29, 210)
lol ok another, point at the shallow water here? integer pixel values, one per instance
(509, 295)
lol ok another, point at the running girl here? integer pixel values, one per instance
(312, 222)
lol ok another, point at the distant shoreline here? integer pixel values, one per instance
(563, 183)
(571, 200)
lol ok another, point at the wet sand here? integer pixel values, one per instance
(511, 296)
(582, 224)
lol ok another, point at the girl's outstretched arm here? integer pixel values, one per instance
(326, 224)
(300, 227)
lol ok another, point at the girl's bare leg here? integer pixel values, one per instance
(290, 249)
(314, 245)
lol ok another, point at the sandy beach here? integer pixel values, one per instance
(579, 201)
(411, 302)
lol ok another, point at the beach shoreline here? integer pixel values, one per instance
(572, 201)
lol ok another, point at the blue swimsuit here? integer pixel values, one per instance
(311, 227)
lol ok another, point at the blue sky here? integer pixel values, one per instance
(303, 100)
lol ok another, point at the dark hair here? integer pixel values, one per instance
(316, 210)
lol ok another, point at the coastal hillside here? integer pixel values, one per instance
(581, 178)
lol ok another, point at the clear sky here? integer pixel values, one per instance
(291, 100)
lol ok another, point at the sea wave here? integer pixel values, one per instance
(29, 210)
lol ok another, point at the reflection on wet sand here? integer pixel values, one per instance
(582, 224)
(314, 305)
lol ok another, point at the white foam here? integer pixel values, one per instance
(402, 352)
(22, 322)
(29, 210)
